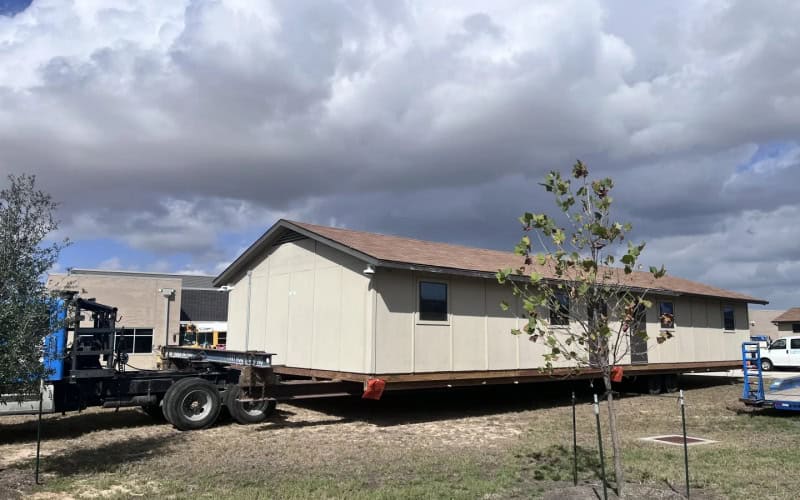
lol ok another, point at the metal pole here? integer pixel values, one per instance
(39, 435)
(685, 444)
(574, 444)
(166, 320)
(600, 445)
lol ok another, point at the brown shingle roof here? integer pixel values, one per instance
(791, 315)
(445, 256)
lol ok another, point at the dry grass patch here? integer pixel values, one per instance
(509, 442)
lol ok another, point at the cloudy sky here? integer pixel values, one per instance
(174, 133)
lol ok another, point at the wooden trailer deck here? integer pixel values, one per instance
(400, 381)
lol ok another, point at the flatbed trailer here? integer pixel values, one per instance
(783, 394)
(659, 376)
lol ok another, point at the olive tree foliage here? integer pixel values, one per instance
(583, 277)
(27, 217)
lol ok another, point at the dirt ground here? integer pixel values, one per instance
(499, 442)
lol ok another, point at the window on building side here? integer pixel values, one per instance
(666, 314)
(728, 322)
(432, 301)
(559, 310)
(795, 327)
(136, 340)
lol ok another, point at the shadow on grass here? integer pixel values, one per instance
(555, 463)
(107, 457)
(74, 425)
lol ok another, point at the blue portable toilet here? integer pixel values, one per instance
(55, 342)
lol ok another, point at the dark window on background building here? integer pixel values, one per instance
(432, 301)
(728, 322)
(559, 310)
(666, 314)
(135, 340)
(795, 327)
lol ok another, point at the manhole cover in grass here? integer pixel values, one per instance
(677, 439)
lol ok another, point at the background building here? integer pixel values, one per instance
(761, 322)
(788, 322)
(151, 306)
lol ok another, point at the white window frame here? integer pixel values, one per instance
(417, 299)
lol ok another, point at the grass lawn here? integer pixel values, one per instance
(503, 442)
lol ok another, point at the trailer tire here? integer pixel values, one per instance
(192, 403)
(654, 384)
(247, 413)
(766, 364)
(670, 383)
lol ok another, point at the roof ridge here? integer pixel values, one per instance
(430, 242)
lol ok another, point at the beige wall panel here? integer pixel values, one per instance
(303, 254)
(700, 331)
(277, 320)
(468, 317)
(354, 319)
(394, 322)
(431, 348)
(237, 304)
(327, 318)
(301, 317)
(502, 346)
(258, 310)
(280, 259)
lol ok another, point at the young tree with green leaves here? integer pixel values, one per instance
(578, 299)
(27, 217)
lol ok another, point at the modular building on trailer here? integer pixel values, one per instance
(351, 305)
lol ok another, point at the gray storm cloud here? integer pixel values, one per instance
(180, 120)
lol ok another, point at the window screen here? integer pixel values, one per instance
(432, 301)
(559, 310)
(727, 319)
(666, 314)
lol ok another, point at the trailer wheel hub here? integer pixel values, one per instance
(195, 405)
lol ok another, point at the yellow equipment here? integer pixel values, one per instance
(206, 338)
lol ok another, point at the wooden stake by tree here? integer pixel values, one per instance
(578, 301)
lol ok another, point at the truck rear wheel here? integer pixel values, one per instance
(192, 403)
(247, 412)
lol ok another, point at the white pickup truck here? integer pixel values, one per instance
(784, 351)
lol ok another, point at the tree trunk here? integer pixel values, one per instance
(612, 425)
